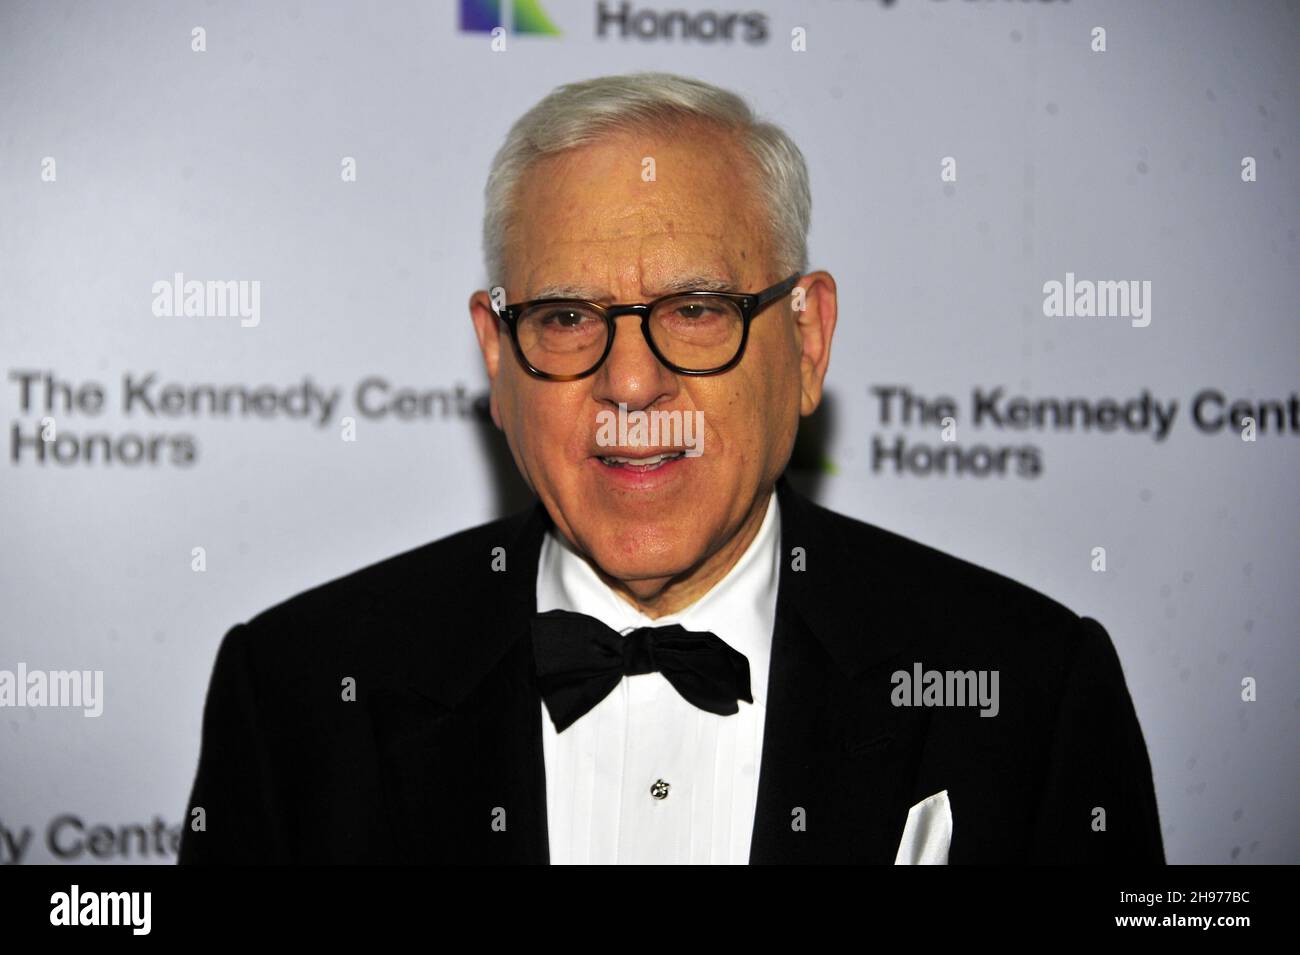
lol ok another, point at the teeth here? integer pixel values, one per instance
(640, 462)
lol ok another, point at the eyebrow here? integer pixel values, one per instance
(690, 283)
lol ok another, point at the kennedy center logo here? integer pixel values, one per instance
(484, 16)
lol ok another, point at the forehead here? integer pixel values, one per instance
(637, 212)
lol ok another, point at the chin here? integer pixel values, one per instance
(637, 551)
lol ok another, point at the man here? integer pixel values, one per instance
(672, 656)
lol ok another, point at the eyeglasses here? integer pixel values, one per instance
(692, 333)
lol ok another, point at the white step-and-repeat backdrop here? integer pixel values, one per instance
(166, 475)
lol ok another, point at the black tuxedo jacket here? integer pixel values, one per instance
(444, 734)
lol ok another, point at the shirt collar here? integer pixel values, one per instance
(740, 608)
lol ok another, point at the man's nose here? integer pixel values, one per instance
(632, 374)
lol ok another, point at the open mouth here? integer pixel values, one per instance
(651, 463)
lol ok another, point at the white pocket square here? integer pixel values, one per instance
(928, 832)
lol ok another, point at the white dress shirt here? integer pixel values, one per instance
(600, 770)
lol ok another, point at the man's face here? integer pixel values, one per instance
(589, 221)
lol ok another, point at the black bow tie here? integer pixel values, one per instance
(580, 660)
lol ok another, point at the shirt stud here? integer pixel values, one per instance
(659, 790)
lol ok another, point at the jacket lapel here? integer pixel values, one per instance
(838, 758)
(460, 746)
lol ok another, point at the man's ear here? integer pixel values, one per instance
(813, 302)
(487, 328)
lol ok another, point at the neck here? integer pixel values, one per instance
(661, 596)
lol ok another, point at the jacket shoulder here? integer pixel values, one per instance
(366, 621)
(440, 566)
(932, 605)
(936, 583)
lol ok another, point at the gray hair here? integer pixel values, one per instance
(578, 113)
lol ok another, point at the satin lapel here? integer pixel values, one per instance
(466, 785)
(460, 747)
(838, 759)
